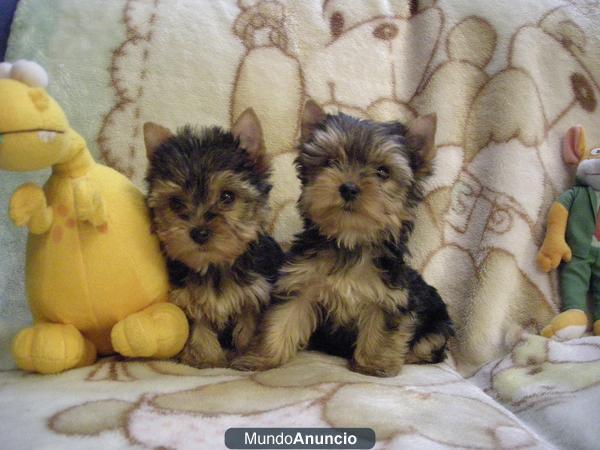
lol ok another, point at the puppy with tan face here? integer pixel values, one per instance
(208, 193)
(346, 287)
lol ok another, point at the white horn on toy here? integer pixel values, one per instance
(27, 72)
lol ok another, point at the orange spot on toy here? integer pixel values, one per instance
(103, 228)
(57, 234)
(71, 223)
(62, 210)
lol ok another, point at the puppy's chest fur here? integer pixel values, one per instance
(221, 304)
(221, 295)
(342, 284)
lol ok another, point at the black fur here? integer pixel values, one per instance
(187, 160)
(424, 303)
(263, 258)
(361, 135)
(191, 155)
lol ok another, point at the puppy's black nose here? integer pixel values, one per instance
(349, 191)
(200, 235)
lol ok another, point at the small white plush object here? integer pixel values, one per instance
(5, 69)
(571, 332)
(28, 72)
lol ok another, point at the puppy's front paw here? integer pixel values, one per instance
(242, 337)
(376, 370)
(251, 362)
(189, 357)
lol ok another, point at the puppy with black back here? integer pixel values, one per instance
(346, 286)
(208, 192)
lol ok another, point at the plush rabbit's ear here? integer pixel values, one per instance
(27, 72)
(574, 145)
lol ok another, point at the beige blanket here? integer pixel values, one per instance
(135, 404)
(543, 395)
(506, 79)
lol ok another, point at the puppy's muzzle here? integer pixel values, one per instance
(349, 191)
(200, 235)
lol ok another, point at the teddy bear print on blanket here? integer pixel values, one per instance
(507, 79)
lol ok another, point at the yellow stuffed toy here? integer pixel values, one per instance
(96, 280)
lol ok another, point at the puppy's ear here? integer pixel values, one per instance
(312, 116)
(421, 136)
(248, 132)
(154, 136)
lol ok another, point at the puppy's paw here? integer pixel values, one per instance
(253, 362)
(375, 370)
(242, 337)
(193, 359)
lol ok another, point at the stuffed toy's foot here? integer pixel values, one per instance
(597, 327)
(52, 348)
(159, 331)
(570, 324)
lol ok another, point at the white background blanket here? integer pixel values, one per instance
(507, 79)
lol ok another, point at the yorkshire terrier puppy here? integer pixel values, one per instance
(208, 193)
(346, 287)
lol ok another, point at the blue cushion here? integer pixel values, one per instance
(7, 11)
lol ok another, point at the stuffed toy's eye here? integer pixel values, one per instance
(595, 151)
(227, 197)
(383, 172)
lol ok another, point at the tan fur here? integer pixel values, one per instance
(286, 328)
(374, 217)
(217, 308)
(154, 136)
(378, 212)
(203, 348)
(245, 328)
(358, 189)
(232, 230)
(423, 350)
(342, 292)
(239, 225)
(211, 311)
(380, 351)
(357, 294)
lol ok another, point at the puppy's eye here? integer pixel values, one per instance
(383, 172)
(176, 204)
(178, 207)
(227, 197)
(331, 163)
